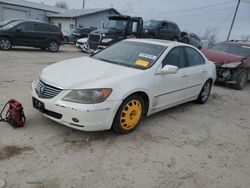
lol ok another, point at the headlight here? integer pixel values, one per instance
(88, 96)
(107, 40)
(146, 31)
(231, 65)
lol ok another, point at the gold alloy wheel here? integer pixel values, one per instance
(131, 114)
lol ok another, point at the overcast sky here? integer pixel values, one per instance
(192, 15)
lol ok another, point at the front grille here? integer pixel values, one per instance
(46, 91)
(94, 37)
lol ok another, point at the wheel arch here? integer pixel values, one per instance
(8, 37)
(145, 98)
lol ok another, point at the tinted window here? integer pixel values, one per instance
(132, 54)
(45, 28)
(193, 57)
(164, 25)
(175, 57)
(171, 26)
(27, 26)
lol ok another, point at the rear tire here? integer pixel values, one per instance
(205, 93)
(129, 115)
(5, 44)
(241, 80)
(53, 46)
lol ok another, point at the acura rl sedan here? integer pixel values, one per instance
(118, 87)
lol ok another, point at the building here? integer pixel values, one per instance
(26, 9)
(70, 19)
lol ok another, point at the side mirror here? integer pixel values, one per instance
(169, 69)
(18, 29)
(134, 27)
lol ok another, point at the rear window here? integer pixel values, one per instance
(46, 28)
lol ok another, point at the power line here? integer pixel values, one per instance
(183, 10)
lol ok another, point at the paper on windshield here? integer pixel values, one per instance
(142, 63)
(148, 56)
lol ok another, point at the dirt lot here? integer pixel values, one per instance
(187, 146)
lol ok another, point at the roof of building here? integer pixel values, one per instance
(73, 13)
(34, 5)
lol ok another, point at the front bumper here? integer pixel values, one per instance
(85, 117)
(225, 74)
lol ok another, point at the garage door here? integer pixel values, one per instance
(13, 13)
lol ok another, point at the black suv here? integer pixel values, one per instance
(32, 34)
(161, 30)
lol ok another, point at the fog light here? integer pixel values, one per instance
(75, 120)
(227, 74)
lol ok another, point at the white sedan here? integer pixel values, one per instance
(119, 86)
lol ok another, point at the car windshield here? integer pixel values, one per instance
(116, 24)
(236, 49)
(12, 24)
(152, 23)
(132, 54)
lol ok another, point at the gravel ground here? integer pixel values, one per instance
(187, 146)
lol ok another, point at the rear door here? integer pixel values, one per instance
(163, 31)
(44, 33)
(197, 69)
(23, 34)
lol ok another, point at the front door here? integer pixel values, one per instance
(24, 34)
(170, 89)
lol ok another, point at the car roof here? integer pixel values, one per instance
(167, 43)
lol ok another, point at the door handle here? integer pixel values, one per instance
(184, 75)
(204, 71)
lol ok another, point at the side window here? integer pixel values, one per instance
(28, 26)
(193, 57)
(175, 57)
(170, 26)
(164, 25)
(45, 28)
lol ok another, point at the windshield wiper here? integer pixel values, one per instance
(106, 60)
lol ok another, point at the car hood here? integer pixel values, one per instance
(84, 72)
(220, 56)
(107, 32)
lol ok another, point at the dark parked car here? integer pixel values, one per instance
(192, 39)
(161, 30)
(32, 34)
(83, 32)
(232, 60)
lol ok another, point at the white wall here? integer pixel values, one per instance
(65, 23)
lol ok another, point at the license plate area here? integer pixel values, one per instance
(38, 105)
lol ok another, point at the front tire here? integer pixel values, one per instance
(205, 93)
(5, 44)
(241, 80)
(53, 46)
(129, 115)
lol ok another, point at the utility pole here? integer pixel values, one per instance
(232, 24)
(83, 4)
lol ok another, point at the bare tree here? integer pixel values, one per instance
(61, 4)
(210, 35)
(245, 37)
